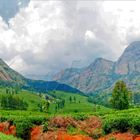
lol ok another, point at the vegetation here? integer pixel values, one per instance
(24, 100)
(69, 103)
(121, 96)
(5, 137)
(128, 120)
(42, 107)
(136, 98)
(12, 102)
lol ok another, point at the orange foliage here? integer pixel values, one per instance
(36, 133)
(64, 136)
(137, 138)
(7, 129)
(119, 136)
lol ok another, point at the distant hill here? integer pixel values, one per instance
(9, 77)
(102, 73)
(46, 86)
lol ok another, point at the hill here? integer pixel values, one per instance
(9, 77)
(102, 73)
(77, 104)
(30, 98)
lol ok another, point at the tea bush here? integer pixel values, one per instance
(121, 124)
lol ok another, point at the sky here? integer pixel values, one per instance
(45, 36)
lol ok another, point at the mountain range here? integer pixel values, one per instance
(98, 77)
(9, 77)
(102, 73)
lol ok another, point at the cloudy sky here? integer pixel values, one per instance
(42, 36)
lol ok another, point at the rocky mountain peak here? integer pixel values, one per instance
(101, 65)
(133, 45)
(129, 62)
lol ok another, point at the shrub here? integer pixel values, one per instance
(45, 127)
(135, 124)
(71, 130)
(24, 125)
(24, 128)
(116, 124)
(80, 116)
(122, 124)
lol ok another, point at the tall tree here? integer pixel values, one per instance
(74, 98)
(70, 99)
(121, 96)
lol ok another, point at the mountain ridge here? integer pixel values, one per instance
(102, 73)
(9, 77)
(97, 77)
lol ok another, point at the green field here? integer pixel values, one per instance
(78, 108)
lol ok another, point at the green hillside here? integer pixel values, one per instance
(78, 104)
(31, 99)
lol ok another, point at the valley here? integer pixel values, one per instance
(52, 110)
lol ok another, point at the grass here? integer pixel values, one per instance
(21, 113)
(80, 106)
(7, 137)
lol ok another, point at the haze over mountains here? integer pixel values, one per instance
(97, 77)
(102, 73)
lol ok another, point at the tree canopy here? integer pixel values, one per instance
(121, 96)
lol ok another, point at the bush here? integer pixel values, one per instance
(116, 124)
(23, 129)
(121, 124)
(80, 116)
(71, 130)
(24, 125)
(135, 124)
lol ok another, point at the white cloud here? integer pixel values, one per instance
(48, 36)
(89, 35)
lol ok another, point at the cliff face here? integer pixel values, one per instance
(102, 73)
(129, 62)
(92, 78)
